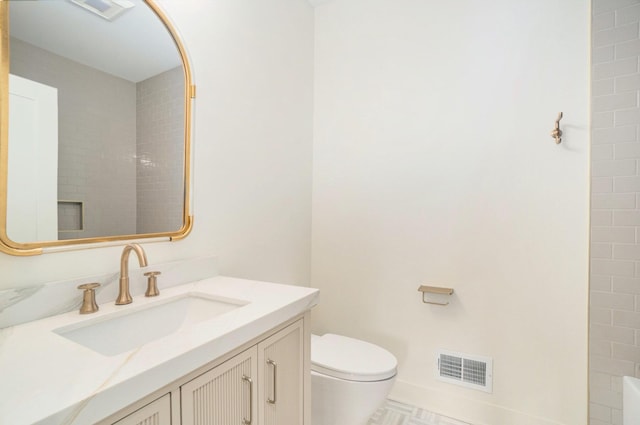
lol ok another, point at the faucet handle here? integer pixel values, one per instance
(89, 304)
(152, 284)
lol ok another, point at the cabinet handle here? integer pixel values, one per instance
(245, 378)
(275, 372)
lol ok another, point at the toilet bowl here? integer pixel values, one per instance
(350, 379)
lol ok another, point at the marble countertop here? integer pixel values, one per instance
(48, 379)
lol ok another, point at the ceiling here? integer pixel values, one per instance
(134, 46)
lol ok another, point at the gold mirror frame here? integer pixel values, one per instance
(35, 248)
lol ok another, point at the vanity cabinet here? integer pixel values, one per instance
(281, 372)
(157, 412)
(224, 395)
(266, 383)
(261, 386)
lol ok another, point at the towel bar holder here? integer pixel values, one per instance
(434, 290)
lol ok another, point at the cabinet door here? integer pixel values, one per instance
(280, 372)
(226, 395)
(155, 413)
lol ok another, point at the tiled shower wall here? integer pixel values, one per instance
(160, 146)
(128, 177)
(615, 215)
(91, 146)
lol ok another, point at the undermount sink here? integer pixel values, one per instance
(126, 330)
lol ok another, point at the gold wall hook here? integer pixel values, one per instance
(557, 133)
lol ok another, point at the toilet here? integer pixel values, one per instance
(350, 379)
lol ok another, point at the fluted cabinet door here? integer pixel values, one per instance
(280, 373)
(157, 412)
(226, 395)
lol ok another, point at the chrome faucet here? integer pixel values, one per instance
(124, 297)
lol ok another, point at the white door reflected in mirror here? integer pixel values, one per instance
(32, 213)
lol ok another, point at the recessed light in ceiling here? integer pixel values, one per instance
(107, 9)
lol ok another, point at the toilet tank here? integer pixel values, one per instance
(631, 400)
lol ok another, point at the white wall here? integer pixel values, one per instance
(253, 64)
(433, 164)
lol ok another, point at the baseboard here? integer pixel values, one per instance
(474, 412)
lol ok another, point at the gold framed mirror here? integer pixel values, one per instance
(95, 125)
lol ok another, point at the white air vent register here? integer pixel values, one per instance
(466, 370)
(107, 9)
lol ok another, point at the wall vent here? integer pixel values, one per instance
(107, 9)
(466, 370)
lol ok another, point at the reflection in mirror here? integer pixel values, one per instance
(97, 117)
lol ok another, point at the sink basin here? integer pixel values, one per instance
(131, 328)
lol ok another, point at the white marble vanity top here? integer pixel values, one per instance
(48, 379)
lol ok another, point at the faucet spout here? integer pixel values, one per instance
(124, 296)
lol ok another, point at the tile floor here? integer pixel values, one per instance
(396, 413)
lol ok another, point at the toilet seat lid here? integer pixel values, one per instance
(351, 359)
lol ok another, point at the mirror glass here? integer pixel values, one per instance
(98, 123)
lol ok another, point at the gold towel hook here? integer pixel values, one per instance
(557, 133)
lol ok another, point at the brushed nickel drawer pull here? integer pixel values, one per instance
(245, 378)
(275, 373)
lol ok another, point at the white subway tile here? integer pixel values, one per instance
(610, 201)
(606, 397)
(612, 301)
(613, 234)
(603, 55)
(600, 316)
(598, 422)
(613, 168)
(627, 150)
(614, 102)
(603, 87)
(615, 134)
(602, 184)
(616, 416)
(597, 411)
(603, 21)
(612, 366)
(626, 319)
(629, 49)
(626, 352)
(601, 348)
(601, 250)
(603, 152)
(625, 184)
(627, 117)
(601, 120)
(616, 383)
(623, 285)
(602, 6)
(600, 283)
(616, 35)
(623, 16)
(625, 83)
(626, 252)
(601, 218)
(614, 69)
(613, 334)
(600, 380)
